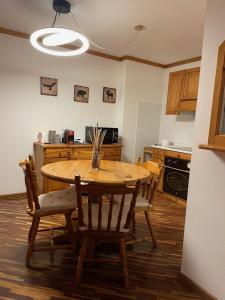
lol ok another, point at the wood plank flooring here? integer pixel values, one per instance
(152, 274)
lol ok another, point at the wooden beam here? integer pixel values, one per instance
(142, 61)
(14, 33)
(182, 62)
(108, 56)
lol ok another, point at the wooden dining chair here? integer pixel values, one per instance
(104, 220)
(145, 199)
(49, 204)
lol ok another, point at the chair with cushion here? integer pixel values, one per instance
(49, 204)
(145, 200)
(103, 219)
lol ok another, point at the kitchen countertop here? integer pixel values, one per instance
(182, 149)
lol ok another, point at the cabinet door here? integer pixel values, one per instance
(189, 90)
(174, 92)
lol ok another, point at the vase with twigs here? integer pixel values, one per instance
(97, 138)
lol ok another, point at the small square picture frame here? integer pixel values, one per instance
(109, 95)
(81, 93)
(48, 86)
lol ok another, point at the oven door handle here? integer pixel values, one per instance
(185, 171)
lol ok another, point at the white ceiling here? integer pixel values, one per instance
(174, 27)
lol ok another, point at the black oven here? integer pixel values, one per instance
(176, 177)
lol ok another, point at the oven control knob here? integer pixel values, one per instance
(189, 165)
(174, 163)
(168, 162)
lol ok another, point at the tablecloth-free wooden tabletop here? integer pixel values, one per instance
(109, 172)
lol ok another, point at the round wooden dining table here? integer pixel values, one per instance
(109, 171)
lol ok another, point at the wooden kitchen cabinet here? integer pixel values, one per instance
(190, 82)
(182, 91)
(174, 92)
(48, 153)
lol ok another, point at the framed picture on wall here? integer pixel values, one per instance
(49, 86)
(109, 95)
(81, 93)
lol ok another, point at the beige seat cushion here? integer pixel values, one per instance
(63, 199)
(141, 202)
(105, 214)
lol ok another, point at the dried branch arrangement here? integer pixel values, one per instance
(97, 138)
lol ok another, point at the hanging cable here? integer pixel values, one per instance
(138, 28)
(53, 24)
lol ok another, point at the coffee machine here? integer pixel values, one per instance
(68, 137)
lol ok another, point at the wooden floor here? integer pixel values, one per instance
(152, 274)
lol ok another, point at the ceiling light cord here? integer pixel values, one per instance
(100, 47)
(56, 15)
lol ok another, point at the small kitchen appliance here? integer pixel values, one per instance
(111, 135)
(68, 137)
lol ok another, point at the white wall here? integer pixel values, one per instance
(143, 84)
(24, 112)
(178, 129)
(204, 239)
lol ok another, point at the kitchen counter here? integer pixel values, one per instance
(182, 149)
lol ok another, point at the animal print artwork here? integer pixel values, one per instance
(81, 93)
(109, 95)
(49, 86)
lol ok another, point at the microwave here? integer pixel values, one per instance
(111, 135)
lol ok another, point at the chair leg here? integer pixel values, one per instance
(70, 229)
(124, 262)
(150, 229)
(91, 249)
(133, 223)
(80, 262)
(32, 233)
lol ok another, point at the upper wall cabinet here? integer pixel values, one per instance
(216, 140)
(182, 91)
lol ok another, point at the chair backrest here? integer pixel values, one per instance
(30, 182)
(85, 155)
(156, 171)
(105, 214)
(32, 164)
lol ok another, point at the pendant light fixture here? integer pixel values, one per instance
(44, 39)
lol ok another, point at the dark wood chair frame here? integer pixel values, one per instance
(92, 235)
(33, 207)
(149, 190)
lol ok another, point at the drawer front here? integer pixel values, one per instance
(111, 151)
(158, 160)
(157, 156)
(158, 151)
(54, 159)
(58, 153)
(181, 155)
(112, 157)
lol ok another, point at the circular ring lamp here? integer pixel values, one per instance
(53, 37)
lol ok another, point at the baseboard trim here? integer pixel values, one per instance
(187, 282)
(17, 196)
